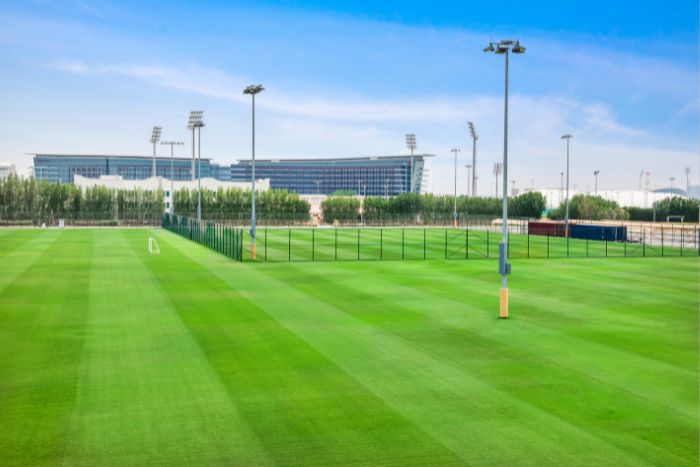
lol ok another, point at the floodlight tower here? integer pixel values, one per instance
(595, 174)
(196, 124)
(561, 187)
(687, 181)
(455, 151)
(512, 187)
(172, 169)
(192, 124)
(504, 47)
(155, 137)
(411, 144)
(567, 137)
(672, 179)
(640, 179)
(469, 170)
(472, 130)
(252, 90)
(497, 169)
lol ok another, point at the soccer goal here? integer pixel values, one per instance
(153, 247)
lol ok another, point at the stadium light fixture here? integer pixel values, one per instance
(595, 174)
(252, 90)
(504, 47)
(196, 123)
(155, 137)
(455, 151)
(411, 144)
(472, 130)
(172, 169)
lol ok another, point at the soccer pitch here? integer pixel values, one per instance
(112, 356)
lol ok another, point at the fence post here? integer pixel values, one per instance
(445, 243)
(567, 243)
(547, 243)
(682, 234)
(424, 244)
(644, 244)
(625, 245)
(313, 244)
(487, 245)
(289, 246)
(606, 246)
(358, 244)
(466, 243)
(381, 244)
(265, 244)
(528, 244)
(403, 242)
(336, 244)
(662, 241)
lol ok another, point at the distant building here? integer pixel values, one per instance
(375, 175)
(625, 198)
(155, 183)
(63, 167)
(366, 176)
(6, 170)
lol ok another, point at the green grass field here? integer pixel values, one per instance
(112, 356)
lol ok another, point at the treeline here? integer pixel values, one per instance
(234, 204)
(426, 208)
(26, 199)
(597, 208)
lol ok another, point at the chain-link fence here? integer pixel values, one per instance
(84, 219)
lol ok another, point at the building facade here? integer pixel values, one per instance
(63, 167)
(366, 176)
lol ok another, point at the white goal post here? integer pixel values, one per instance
(153, 247)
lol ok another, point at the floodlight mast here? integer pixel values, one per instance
(472, 130)
(252, 90)
(595, 174)
(455, 151)
(411, 144)
(687, 181)
(172, 171)
(469, 171)
(155, 137)
(504, 47)
(567, 137)
(196, 123)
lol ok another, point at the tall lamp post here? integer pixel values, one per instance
(497, 169)
(672, 179)
(172, 170)
(196, 123)
(253, 89)
(474, 138)
(687, 181)
(595, 174)
(504, 47)
(411, 144)
(469, 170)
(155, 137)
(561, 187)
(567, 137)
(455, 151)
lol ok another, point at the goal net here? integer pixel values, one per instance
(153, 247)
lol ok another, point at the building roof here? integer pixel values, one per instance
(336, 159)
(110, 156)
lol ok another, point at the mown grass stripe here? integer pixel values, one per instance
(459, 410)
(146, 393)
(305, 409)
(42, 331)
(444, 331)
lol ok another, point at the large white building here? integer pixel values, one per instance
(168, 186)
(625, 198)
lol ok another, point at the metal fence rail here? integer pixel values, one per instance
(223, 239)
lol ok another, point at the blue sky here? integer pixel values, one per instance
(343, 80)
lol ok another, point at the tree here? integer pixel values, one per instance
(530, 204)
(340, 209)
